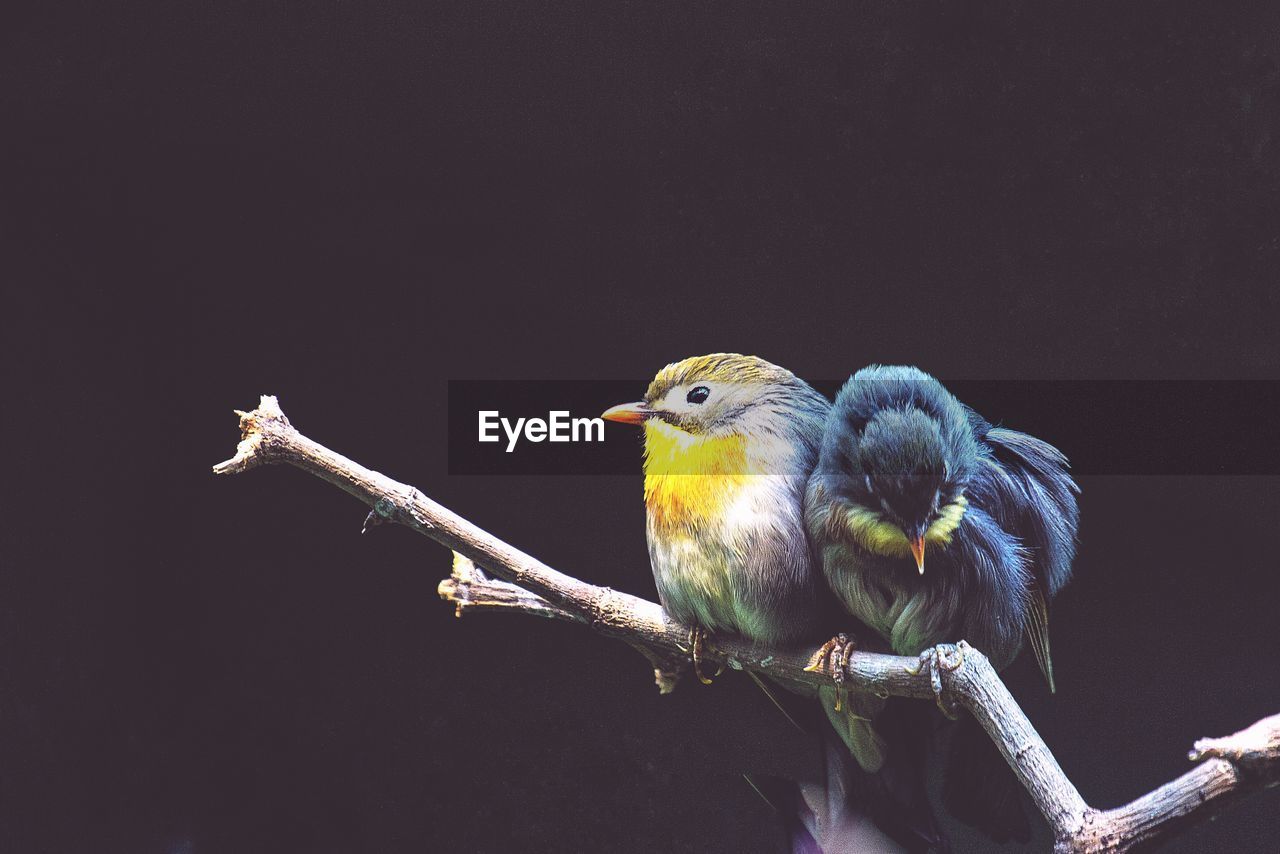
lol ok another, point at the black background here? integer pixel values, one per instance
(349, 204)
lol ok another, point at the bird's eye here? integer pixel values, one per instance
(698, 394)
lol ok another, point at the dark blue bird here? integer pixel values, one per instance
(933, 526)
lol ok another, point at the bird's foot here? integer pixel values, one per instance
(944, 656)
(833, 656)
(696, 638)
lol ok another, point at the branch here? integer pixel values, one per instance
(469, 589)
(1229, 767)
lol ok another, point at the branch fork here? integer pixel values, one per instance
(1228, 767)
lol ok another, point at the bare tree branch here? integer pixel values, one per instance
(471, 590)
(1229, 767)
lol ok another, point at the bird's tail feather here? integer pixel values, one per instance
(1038, 633)
(855, 724)
(832, 818)
(845, 808)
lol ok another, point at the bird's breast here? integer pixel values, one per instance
(911, 612)
(713, 554)
(691, 481)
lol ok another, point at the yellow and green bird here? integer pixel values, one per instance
(729, 443)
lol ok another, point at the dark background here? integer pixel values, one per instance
(349, 204)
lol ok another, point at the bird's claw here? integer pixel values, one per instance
(696, 638)
(834, 656)
(944, 656)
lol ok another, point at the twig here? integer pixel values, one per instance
(471, 590)
(1228, 766)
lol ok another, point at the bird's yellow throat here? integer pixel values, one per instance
(689, 479)
(880, 536)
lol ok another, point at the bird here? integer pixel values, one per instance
(730, 442)
(933, 526)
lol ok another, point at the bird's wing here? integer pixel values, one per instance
(1032, 496)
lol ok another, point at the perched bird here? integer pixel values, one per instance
(933, 526)
(729, 444)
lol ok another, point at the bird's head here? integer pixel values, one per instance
(906, 474)
(722, 401)
(912, 460)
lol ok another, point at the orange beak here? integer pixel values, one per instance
(628, 413)
(917, 552)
